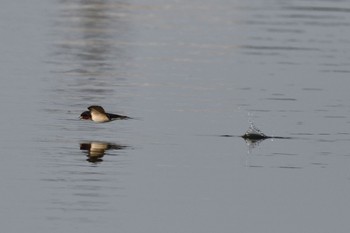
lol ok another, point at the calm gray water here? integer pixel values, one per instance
(188, 72)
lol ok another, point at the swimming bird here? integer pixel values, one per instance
(98, 114)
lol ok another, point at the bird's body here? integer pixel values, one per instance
(98, 114)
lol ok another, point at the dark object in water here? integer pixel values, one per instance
(253, 133)
(261, 137)
(255, 136)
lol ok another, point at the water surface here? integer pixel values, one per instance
(187, 72)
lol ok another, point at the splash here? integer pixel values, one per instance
(254, 132)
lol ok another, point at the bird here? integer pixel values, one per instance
(97, 114)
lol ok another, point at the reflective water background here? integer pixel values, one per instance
(188, 72)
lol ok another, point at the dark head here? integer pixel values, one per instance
(85, 115)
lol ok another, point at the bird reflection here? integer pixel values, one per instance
(97, 149)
